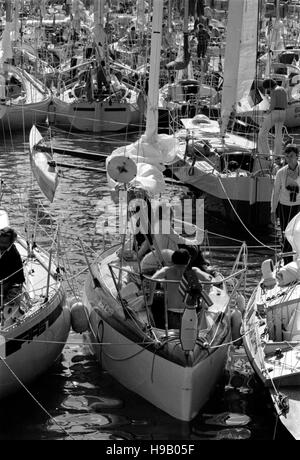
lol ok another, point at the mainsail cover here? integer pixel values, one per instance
(240, 55)
(150, 158)
(45, 173)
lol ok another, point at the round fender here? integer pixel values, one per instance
(79, 318)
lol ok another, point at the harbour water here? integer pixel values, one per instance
(67, 402)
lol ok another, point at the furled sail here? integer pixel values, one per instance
(150, 158)
(240, 55)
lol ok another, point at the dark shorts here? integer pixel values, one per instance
(174, 320)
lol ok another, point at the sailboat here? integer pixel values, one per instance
(34, 316)
(271, 328)
(237, 182)
(281, 63)
(186, 94)
(98, 102)
(174, 369)
(24, 100)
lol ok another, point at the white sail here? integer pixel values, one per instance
(240, 55)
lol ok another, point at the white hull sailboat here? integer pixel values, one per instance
(271, 333)
(238, 195)
(98, 102)
(157, 369)
(29, 105)
(175, 369)
(24, 100)
(35, 324)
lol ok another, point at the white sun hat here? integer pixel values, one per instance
(4, 221)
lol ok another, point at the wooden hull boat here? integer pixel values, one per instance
(34, 328)
(271, 326)
(25, 103)
(152, 364)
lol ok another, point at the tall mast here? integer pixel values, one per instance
(155, 56)
(185, 34)
(99, 33)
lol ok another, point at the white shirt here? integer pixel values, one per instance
(280, 194)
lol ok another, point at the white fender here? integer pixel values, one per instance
(240, 303)
(236, 322)
(267, 269)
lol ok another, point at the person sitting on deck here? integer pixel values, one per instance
(11, 266)
(175, 303)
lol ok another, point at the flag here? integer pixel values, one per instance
(183, 287)
(190, 288)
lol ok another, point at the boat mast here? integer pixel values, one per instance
(185, 36)
(99, 33)
(153, 92)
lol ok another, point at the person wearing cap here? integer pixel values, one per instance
(11, 266)
(274, 117)
(285, 200)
